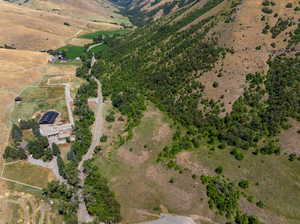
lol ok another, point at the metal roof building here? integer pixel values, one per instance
(49, 117)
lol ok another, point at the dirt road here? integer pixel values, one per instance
(83, 215)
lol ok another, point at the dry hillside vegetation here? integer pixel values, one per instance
(18, 70)
(143, 187)
(97, 10)
(29, 29)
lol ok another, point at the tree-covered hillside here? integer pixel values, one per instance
(169, 63)
(142, 12)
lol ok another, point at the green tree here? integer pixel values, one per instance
(11, 154)
(244, 184)
(16, 133)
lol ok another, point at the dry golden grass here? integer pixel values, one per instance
(91, 10)
(243, 36)
(18, 70)
(30, 29)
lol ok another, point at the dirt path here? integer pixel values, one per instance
(18, 182)
(92, 46)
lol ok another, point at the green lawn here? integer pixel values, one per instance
(72, 51)
(103, 32)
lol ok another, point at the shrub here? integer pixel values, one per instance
(258, 48)
(16, 133)
(215, 84)
(292, 157)
(103, 138)
(267, 10)
(219, 170)
(260, 204)
(110, 117)
(244, 184)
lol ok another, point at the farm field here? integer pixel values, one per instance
(72, 51)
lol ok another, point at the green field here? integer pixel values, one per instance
(103, 32)
(37, 99)
(72, 51)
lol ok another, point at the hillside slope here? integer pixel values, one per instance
(94, 10)
(142, 12)
(225, 72)
(29, 29)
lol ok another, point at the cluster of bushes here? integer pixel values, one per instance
(64, 201)
(100, 200)
(224, 198)
(280, 26)
(38, 147)
(295, 37)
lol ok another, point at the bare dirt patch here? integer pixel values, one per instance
(243, 35)
(290, 139)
